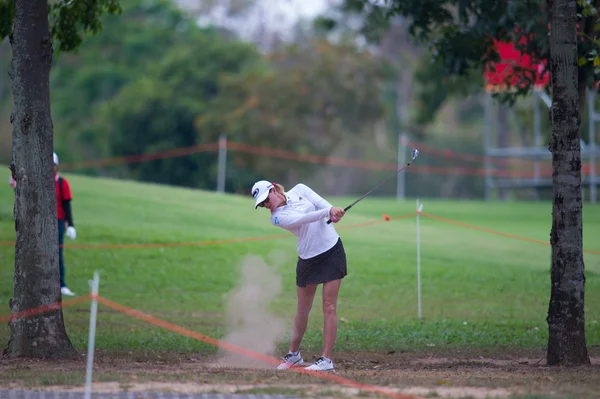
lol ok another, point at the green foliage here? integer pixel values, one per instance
(374, 19)
(459, 33)
(128, 45)
(588, 11)
(69, 20)
(314, 97)
(153, 80)
(157, 111)
(435, 88)
(7, 14)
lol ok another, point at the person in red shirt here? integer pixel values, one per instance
(65, 219)
(13, 183)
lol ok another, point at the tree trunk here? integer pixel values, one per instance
(36, 281)
(566, 322)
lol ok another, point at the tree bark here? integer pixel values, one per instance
(36, 278)
(566, 322)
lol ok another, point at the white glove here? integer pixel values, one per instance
(71, 233)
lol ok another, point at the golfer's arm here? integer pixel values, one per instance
(68, 212)
(318, 201)
(292, 220)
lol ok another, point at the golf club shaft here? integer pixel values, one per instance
(374, 188)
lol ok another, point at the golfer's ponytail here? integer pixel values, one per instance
(279, 188)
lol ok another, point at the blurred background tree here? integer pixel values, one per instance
(297, 80)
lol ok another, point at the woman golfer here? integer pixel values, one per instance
(321, 260)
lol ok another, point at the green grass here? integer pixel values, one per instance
(478, 289)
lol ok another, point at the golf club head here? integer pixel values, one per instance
(414, 153)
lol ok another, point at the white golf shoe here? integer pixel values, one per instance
(66, 291)
(291, 360)
(322, 364)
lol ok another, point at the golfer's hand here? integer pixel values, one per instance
(71, 233)
(336, 213)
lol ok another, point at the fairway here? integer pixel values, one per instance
(479, 289)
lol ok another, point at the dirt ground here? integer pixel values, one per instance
(452, 374)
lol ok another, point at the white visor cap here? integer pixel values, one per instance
(260, 191)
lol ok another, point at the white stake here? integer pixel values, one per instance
(92, 336)
(419, 209)
(222, 162)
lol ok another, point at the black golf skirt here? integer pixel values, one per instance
(328, 266)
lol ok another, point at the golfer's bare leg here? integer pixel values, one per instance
(305, 300)
(330, 295)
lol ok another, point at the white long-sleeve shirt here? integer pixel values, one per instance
(306, 215)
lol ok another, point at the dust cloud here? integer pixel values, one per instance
(250, 323)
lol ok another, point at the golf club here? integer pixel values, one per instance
(414, 154)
